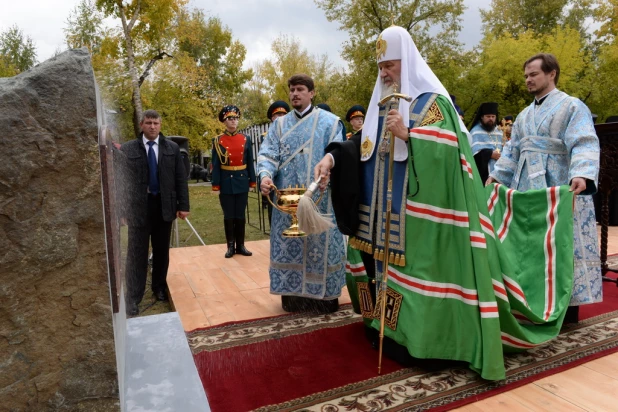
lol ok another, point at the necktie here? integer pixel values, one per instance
(153, 176)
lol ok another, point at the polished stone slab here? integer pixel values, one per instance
(160, 375)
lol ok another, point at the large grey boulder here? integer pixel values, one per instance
(56, 336)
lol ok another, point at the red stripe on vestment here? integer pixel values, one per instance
(477, 239)
(512, 341)
(466, 166)
(499, 290)
(433, 287)
(441, 215)
(486, 225)
(508, 216)
(550, 254)
(435, 134)
(488, 309)
(491, 202)
(356, 269)
(521, 318)
(515, 289)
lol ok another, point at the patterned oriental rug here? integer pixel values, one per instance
(305, 362)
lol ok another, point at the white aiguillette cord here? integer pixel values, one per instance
(310, 220)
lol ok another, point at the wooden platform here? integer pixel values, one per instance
(206, 289)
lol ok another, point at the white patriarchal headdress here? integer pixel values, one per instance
(395, 43)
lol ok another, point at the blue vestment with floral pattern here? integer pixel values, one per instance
(551, 144)
(311, 266)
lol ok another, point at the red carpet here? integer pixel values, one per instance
(283, 369)
(287, 365)
(324, 362)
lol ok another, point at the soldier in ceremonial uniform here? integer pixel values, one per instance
(356, 117)
(277, 109)
(233, 174)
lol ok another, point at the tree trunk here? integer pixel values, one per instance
(136, 97)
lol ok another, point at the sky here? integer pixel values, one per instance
(256, 23)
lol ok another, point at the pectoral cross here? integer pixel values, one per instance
(385, 145)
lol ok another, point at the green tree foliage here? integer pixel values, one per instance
(607, 15)
(85, 27)
(433, 24)
(176, 93)
(164, 56)
(578, 15)
(256, 97)
(213, 48)
(6, 69)
(513, 17)
(498, 72)
(270, 79)
(145, 28)
(518, 29)
(206, 48)
(17, 52)
(604, 100)
(289, 58)
(366, 19)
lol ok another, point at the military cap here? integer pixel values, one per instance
(277, 107)
(355, 111)
(229, 111)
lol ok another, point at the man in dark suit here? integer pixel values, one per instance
(157, 193)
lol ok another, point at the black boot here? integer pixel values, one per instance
(228, 224)
(239, 233)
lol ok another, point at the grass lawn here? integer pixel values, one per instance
(207, 218)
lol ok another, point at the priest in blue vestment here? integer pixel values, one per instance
(308, 272)
(487, 138)
(553, 142)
